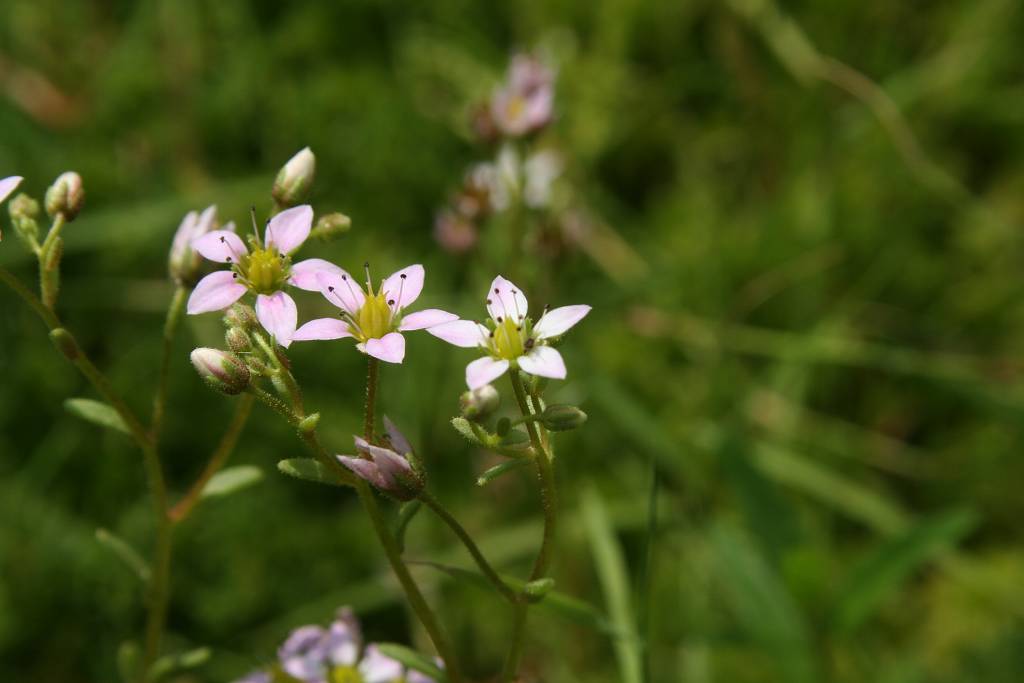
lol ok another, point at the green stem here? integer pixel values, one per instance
(59, 221)
(220, 456)
(170, 326)
(506, 591)
(549, 501)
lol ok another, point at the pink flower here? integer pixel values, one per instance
(375, 320)
(510, 338)
(264, 271)
(388, 469)
(526, 102)
(183, 261)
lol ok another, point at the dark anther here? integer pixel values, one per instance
(366, 264)
(500, 319)
(488, 302)
(529, 343)
(228, 259)
(402, 276)
(344, 277)
(497, 291)
(222, 239)
(330, 289)
(391, 302)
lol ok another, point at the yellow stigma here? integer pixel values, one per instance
(265, 270)
(508, 340)
(345, 674)
(374, 318)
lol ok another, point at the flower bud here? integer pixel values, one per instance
(331, 226)
(24, 210)
(536, 590)
(295, 178)
(242, 316)
(65, 196)
(65, 343)
(308, 424)
(477, 404)
(223, 371)
(562, 418)
(237, 339)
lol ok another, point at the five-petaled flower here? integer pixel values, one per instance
(264, 271)
(510, 338)
(387, 468)
(525, 103)
(374, 320)
(313, 654)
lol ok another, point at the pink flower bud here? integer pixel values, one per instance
(223, 371)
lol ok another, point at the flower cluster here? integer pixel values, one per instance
(336, 654)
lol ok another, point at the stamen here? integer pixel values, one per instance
(401, 289)
(369, 283)
(515, 302)
(255, 229)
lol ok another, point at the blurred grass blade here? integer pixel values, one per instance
(763, 605)
(413, 660)
(308, 469)
(181, 661)
(611, 570)
(97, 412)
(646, 574)
(881, 575)
(125, 553)
(129, 661)
(230, 480)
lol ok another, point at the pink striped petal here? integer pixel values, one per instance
(222, 246)
(289, 229)
(400, 444)
(365, 469)
(464, 333)
(505, 300)
(559, 320)
(484, 371)
(9, 185)
(322, 328)
(404, 287)
(341, 290)
(278, 315)
(215, 292)
(543, 361)
(426, 318)
(390, 347)
(304, 273)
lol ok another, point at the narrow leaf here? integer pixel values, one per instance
(124, 552)
(413, 660)
(498, 470)
(310, 470)
(230, 480)
(97, 412)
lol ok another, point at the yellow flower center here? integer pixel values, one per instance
(508, 341)
(374, 318)
(265, 270)
(345, 674)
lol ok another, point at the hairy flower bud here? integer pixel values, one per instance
(477, 404)
(562, 418)
(237, 339)
(65, 196)
(242, 316)
(223, 371)
(24, 210)
(295, 178)
(331, 226)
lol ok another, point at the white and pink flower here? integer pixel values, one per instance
(264, 270)
(525, 103)
(375, 320)
(510, 338)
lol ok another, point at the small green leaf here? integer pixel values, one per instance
(181, 661)
(465, 427)
(232, 479)
(308, 469)
(498, 470)
(413, 660)
(96, 412)
(124, 552)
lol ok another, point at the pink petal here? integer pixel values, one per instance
(559, 320)
(221, 246)
(363, 468)
(376, 667)
(398, 440)
(484, 371)
(322, 328)
(390, 464)
(9, 185)
(185, 233)
(304, 273)
(405, 286)
(289, 229)
(215, 292)
(341, 290)
(464, 333)
(426, 318)
(544, 361)
(505, 300)
(390, 347)
(278, 315)
(206, 219)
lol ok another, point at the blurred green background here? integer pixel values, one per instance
(809, 330)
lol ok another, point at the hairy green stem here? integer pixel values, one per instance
(170, 327)
(549, 501)
(435, 505)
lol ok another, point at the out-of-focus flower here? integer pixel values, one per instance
(541, 170)
(313, 654)
(264, 271)
(525, 103)
(184, 262)
(454, 232)
(374, 319)
(66, 196)
(510, 337)
(387, 468)
(476, 404)
(295, 178)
